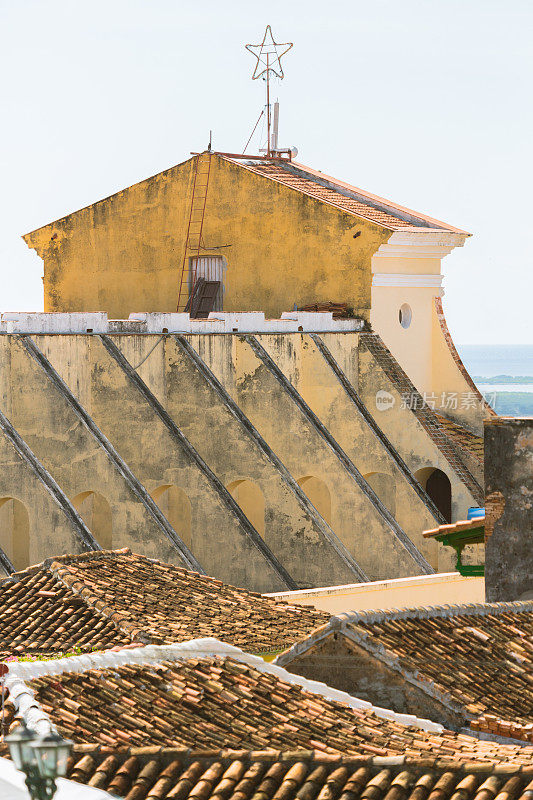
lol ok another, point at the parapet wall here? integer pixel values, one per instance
(144, 322)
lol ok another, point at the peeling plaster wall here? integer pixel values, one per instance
(123, 254)
(292, 450)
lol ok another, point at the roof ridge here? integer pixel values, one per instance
(437, 224)
(382, 212)
(427, 612)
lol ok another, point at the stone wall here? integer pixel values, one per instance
(509, 509)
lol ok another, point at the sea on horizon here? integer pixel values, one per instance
(489, 360)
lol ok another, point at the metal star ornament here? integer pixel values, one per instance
(268, 56)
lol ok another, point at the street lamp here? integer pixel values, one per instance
(41, 758)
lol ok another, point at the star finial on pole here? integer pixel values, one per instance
(268, 57)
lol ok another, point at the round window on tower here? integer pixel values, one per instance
(405, 315)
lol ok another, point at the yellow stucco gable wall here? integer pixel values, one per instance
(124, 253)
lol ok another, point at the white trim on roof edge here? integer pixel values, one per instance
(28, 708)
(419, 243)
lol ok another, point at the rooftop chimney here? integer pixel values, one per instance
(508, 509)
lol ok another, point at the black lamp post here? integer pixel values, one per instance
(41, 758)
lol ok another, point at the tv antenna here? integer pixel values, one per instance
(269, 54)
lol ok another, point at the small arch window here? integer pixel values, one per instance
(405, 315)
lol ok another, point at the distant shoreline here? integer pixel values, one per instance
(503, 379)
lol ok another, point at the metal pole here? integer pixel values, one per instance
(268, 106)
(275, 123)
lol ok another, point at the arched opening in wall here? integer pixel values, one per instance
(319, 494)
(176, 507)
(438, 487)
(250, 498)
(96, 512)
(385, 487)
(15, 531)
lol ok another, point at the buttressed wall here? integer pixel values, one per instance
(124, 253)
(262, 459)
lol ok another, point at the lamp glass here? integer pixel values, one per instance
(51, 754)
(19, 746)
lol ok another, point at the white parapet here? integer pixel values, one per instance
(162, 322)
(246, 322)
(322, 321)
(41, 322)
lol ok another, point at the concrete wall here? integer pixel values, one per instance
(123, 254)
(509, 509)
(308, 371)
(299, 444)
(204, 440)
(423, 590)
(71, 454)
(32, 524)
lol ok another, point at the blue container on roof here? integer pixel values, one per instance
(474, 513)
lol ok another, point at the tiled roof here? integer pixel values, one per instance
(39, 615)
(205, 694)
(341, 195)
(456, 527)
(463, 438)
(475, 657)
(155, 774)
(106, 598)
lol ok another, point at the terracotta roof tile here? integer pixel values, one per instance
(205, 694)
(343, 196)
(463, 438)
(108, 598)
(456, 527)
(158, 774)
(476, 657)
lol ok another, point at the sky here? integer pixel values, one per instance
(424, 102)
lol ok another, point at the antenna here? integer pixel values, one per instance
(269, 62)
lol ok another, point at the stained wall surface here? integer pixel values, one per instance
(252, 456)
(123, 254)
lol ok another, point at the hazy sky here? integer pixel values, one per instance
(426, 102)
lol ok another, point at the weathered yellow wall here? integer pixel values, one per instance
(266, 490)
(299, 445)
(303, 364)
(124, 254)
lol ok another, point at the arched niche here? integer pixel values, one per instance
(15, 531)
(438, 487)
(319, 495)
(176, 507)
(250, 498)
(96, 512)
(384, 486)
